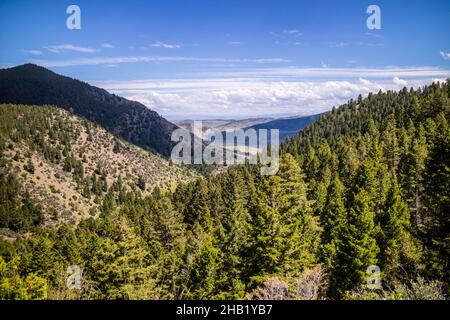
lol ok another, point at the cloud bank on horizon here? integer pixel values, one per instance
(246, 96)
(233, 59)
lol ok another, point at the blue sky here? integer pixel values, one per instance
(234, 59)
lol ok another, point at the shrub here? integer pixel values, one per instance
(308, 285)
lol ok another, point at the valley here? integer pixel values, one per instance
(365, 184)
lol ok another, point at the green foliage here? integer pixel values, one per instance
(436, 220)
(357, 248)
(399, 252)
(15, 287)
(141, 183)
(17, 213)
(417, 289)
(366, 184)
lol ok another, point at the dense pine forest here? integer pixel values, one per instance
(367, 184)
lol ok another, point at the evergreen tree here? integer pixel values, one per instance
(398, 250)
(299, 230)
(234, 236)
(437, 203)
(15, 287)
(333, 220)
(357, 249)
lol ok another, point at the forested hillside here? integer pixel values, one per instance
(132, 121)
(366, 184)
(69, 165)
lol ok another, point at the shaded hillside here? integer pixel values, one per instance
(34, 85)
(287, 126)
(69, 165)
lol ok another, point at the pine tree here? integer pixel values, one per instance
(203, 269)
(398, 250)
(357, 248)
(15, 287)
(412, 169)
(437, 203)
(119, 266)
(299, 230)
(390, 143)
(234, 236)
(265, 230)
(197, 210)
(141, 183)
(67, 245)
(333, 219)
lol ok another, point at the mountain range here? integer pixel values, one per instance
(130, 120)
(288, 126)
(31, 84)
(365, 185)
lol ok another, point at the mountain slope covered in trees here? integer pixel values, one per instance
(34, 85)
(69, 165)
(366, 186)
(379, 172)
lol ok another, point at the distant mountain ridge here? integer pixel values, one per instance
(288, 126)
(132, 121)
(223, 124)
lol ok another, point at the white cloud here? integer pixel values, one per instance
(337, 44)
(108, 46)
(365, 81)
(442, 80)
(242, 98)
(374, 45)
(277, 35)
(301, 73)
(444, 55)
(374, 35)
(69, 47)
(159, 44)
(34, 52)
(134, 59)
(294, 32)
(289, 37)
(399, 82)
(234, 43)
(238, 97)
